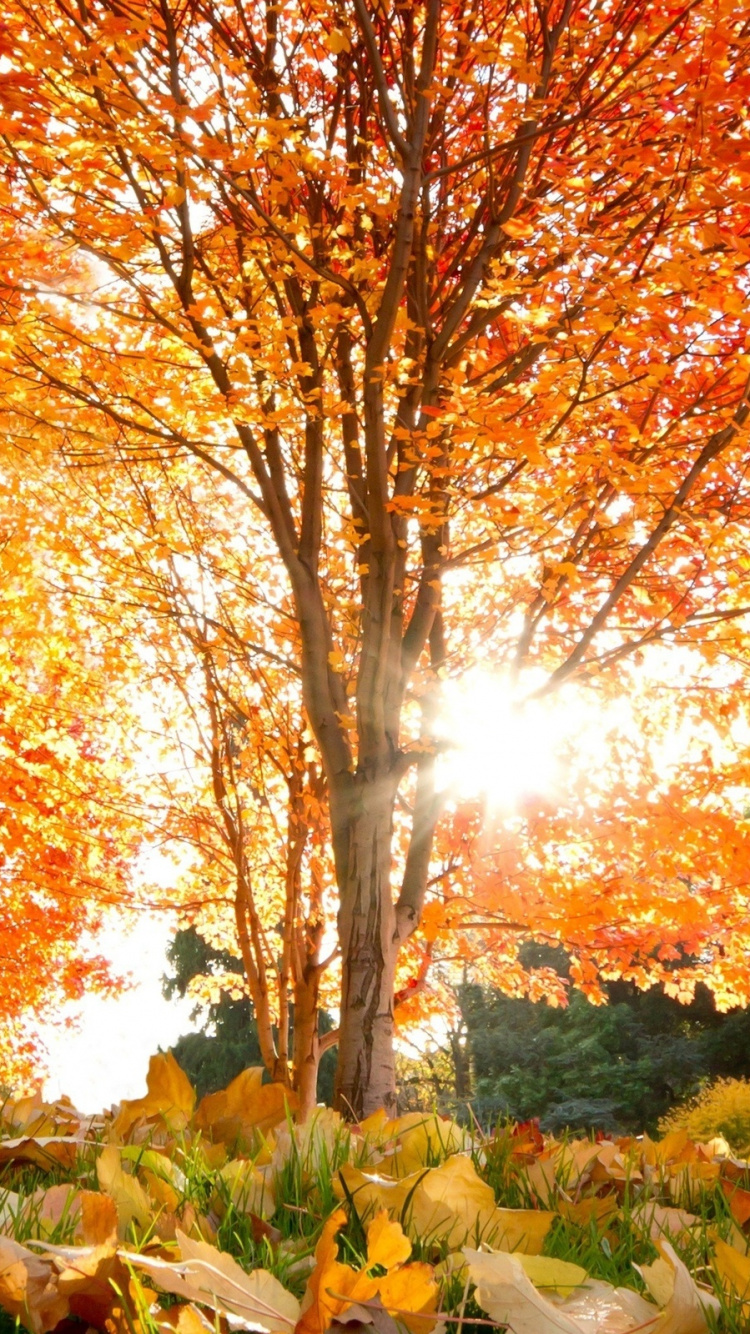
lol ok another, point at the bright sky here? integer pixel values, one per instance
(105, 1058)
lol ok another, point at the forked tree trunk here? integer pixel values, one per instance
(365, 1073)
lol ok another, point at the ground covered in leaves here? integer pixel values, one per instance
(166, 1217)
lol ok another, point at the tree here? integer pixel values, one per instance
(227, 1042)
(444, 305)
(68, 843)
(620, 1066)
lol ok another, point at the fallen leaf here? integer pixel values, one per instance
(230, 1101)
(98, 1218)
(85, 1277)
(554, 1275)
(188, 1319)
(733, 1269)
(29, 1289)
(592, 1208)
(421, 1139)
(170, 1097)
(521, 1230)
(658, 1220)
(245, 1108)
(507, 1293)
(53, 1205)
(671, 1284)
(407, 1291)
(737, 1199)
(130, 1198)
(411, 1295)
(386, 1243)
(247, 1187)
(357, 1319)
(47, 1152)
(213, 1278)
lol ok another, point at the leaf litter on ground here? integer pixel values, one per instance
(173, 1216)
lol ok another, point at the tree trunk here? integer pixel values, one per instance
(306, 1057)
(366, 1073)
(461, 1062)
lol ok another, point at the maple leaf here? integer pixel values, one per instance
(170, 1097)
(407, 1290)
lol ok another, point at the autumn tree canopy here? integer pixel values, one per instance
(68, 842)
(429, 321)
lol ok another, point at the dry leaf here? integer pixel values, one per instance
(658, 1220)
(421, 1139)
(244, 1108)
(558, 1276)
(213, 1278)
(250, 1189)
(128, 1194)
(671, 1284)
(47, 1152)
(521, 1230)
(170, 1097)
(85, 1278)
(408, 1291)
(733, 1269)
(592, 1208)
(506, 1292)
(29, 1289)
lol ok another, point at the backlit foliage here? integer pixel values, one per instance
(384, 340)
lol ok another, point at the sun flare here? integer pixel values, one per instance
(499, 745)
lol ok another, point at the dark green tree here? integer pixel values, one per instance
(621, 1066)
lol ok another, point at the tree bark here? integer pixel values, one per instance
(306, 1042)
(366, 1073)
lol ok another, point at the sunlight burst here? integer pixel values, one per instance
(498, 744)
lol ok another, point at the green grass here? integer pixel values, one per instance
(307, 1191)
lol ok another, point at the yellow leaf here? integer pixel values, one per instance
(28, 1288)
(337, 41)
(733, 1268)
(213, 1278)
(657, 1220)
(371, 1191)
(451, 1203)
(331, 1286)
(98, 1223)
(447, 1204)
(46, 1152)
(246, 1105)
(592, 1208)
(522, 1230)
(170, 1096)
(386, 1243)
(673, 1287)
(505, 1291)
(556, 1275)
(422, 1138)
(250, 1190)
(230, 1101)
(128, 1194)
(410, 1295)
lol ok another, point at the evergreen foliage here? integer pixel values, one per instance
(619, 1067)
